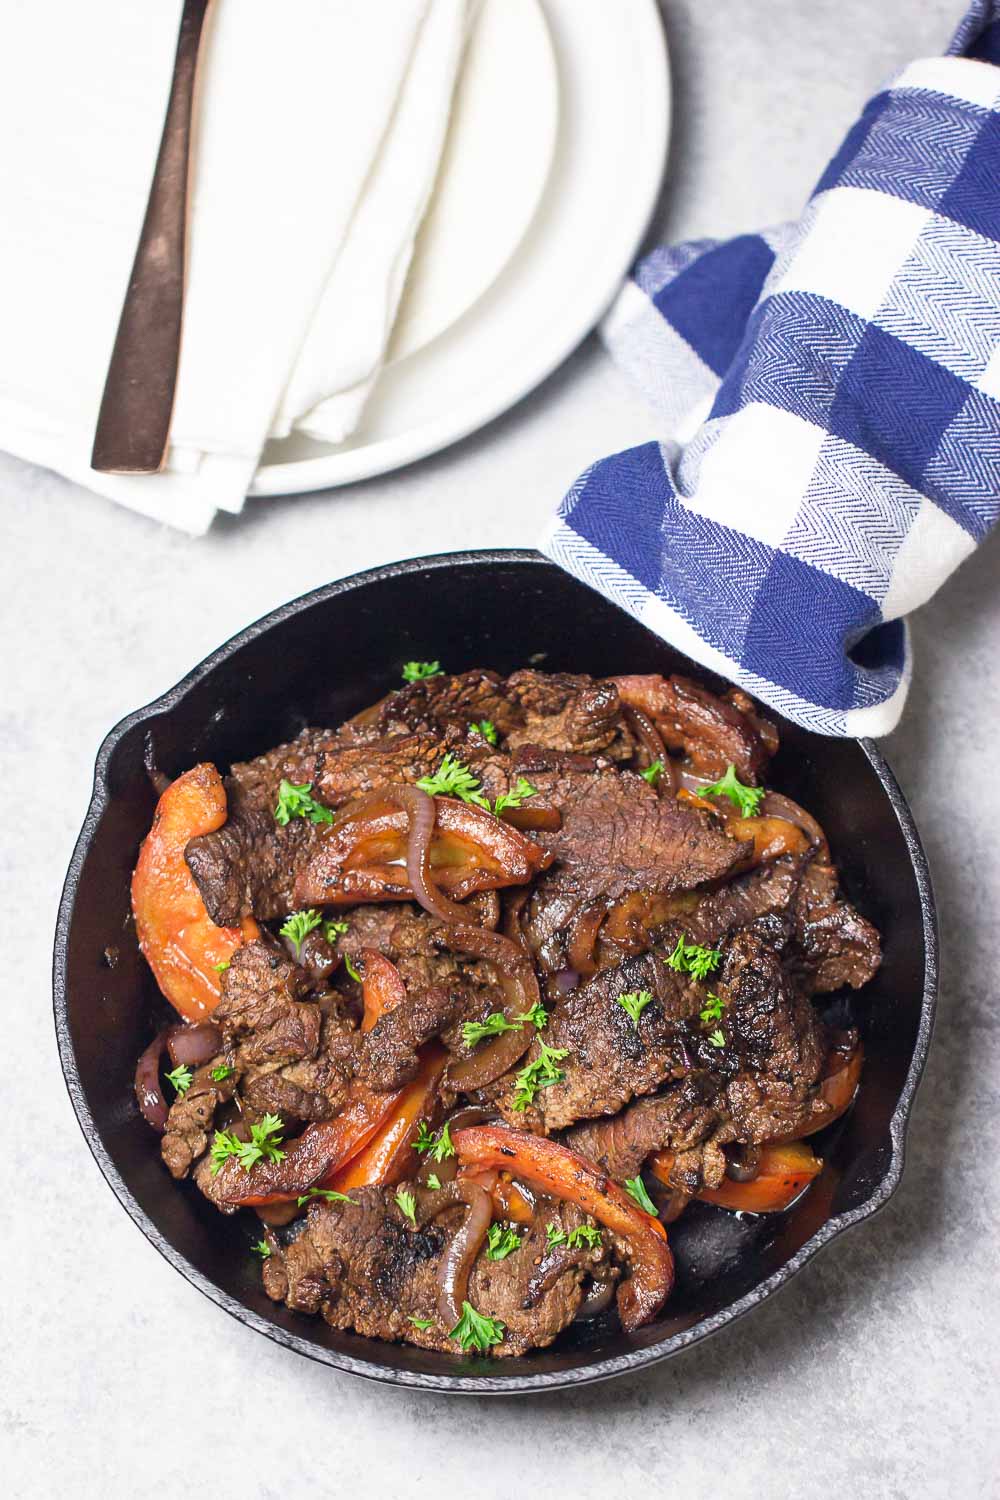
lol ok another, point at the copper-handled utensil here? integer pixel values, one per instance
(134, 421)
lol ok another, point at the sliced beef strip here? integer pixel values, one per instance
(293, 1057)
(388, 1053)
(609, 1059)
(761, 1084)
(362, 1266)
(712, 732)
(830, 943)
(569, 712)
(833, 944)
(445, 703)
(192, 1116)
(618, 836)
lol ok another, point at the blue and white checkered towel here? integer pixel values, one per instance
(829, 398)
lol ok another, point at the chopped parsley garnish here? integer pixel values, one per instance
(634, 1004)
(522, 791)
(330, 1194)
(501, 1242)
(439, 1146)
(433, 1181)
(333, 930)
(181, 1078)
(689, 958)
(420, 1322)
(652, 773)
(351, 968)
(583, 1234)
(298, 927)
(265, 1140)
(497, 1022)
(222, 1071)
(419, 671)
(746, 798)
(452, 779)
(487, 729)
(636, 1189)
(475, 1331)
(407, 1206)
(540, 1074)
(294, 801)
(713, 1010)
(717, 1038)
(221, 968)
(262, 1248)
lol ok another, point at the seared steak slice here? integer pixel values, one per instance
(712, 732)
(449, 703)
(834, 945)
(388, 1053)
(191, 1117)
(362, 1266)
(618, 836)
(680, 1118)
(570, 712)
(609, 1059)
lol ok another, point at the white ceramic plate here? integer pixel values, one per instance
(611, 141)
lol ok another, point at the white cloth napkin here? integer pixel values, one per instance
(319, 127)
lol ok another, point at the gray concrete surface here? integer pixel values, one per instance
(875, 1372)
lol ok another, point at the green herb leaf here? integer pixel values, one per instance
(634, 1004)
(713, 1010)
(333, 930)
(262, 1248)
(487, 729)
(717, 1038)
(497, 1023)
(298, 927)
(419, 671)
(475, 1331)
(540, 1074)
(421, 1322)
(408, 1206)
(689, 958)
(181, 1078)
(746, 798)
(221, 968)
(439, 1146)
(501, 1242)
(522, 791)
(636, 1188)
(221, 1072)
(452, 779)
(265, 1140)
(652, 773)
(433, 1181)
(583, 1234)
(294, 801)
(351, 968)
(329, 1194)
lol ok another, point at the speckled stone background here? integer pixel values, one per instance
(875, 1372)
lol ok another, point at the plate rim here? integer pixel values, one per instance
(382, 456)
(471, 1384)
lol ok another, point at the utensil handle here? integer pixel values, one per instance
(134, 420)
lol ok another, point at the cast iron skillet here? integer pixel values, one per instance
(316, 661)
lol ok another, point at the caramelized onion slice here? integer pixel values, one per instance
(554, 1169)
(463, 1247)
(193, 1045)
(148, 1093)
(520, 986)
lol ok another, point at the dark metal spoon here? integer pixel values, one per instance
(134, 421)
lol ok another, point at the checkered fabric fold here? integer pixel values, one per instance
(828, 398)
